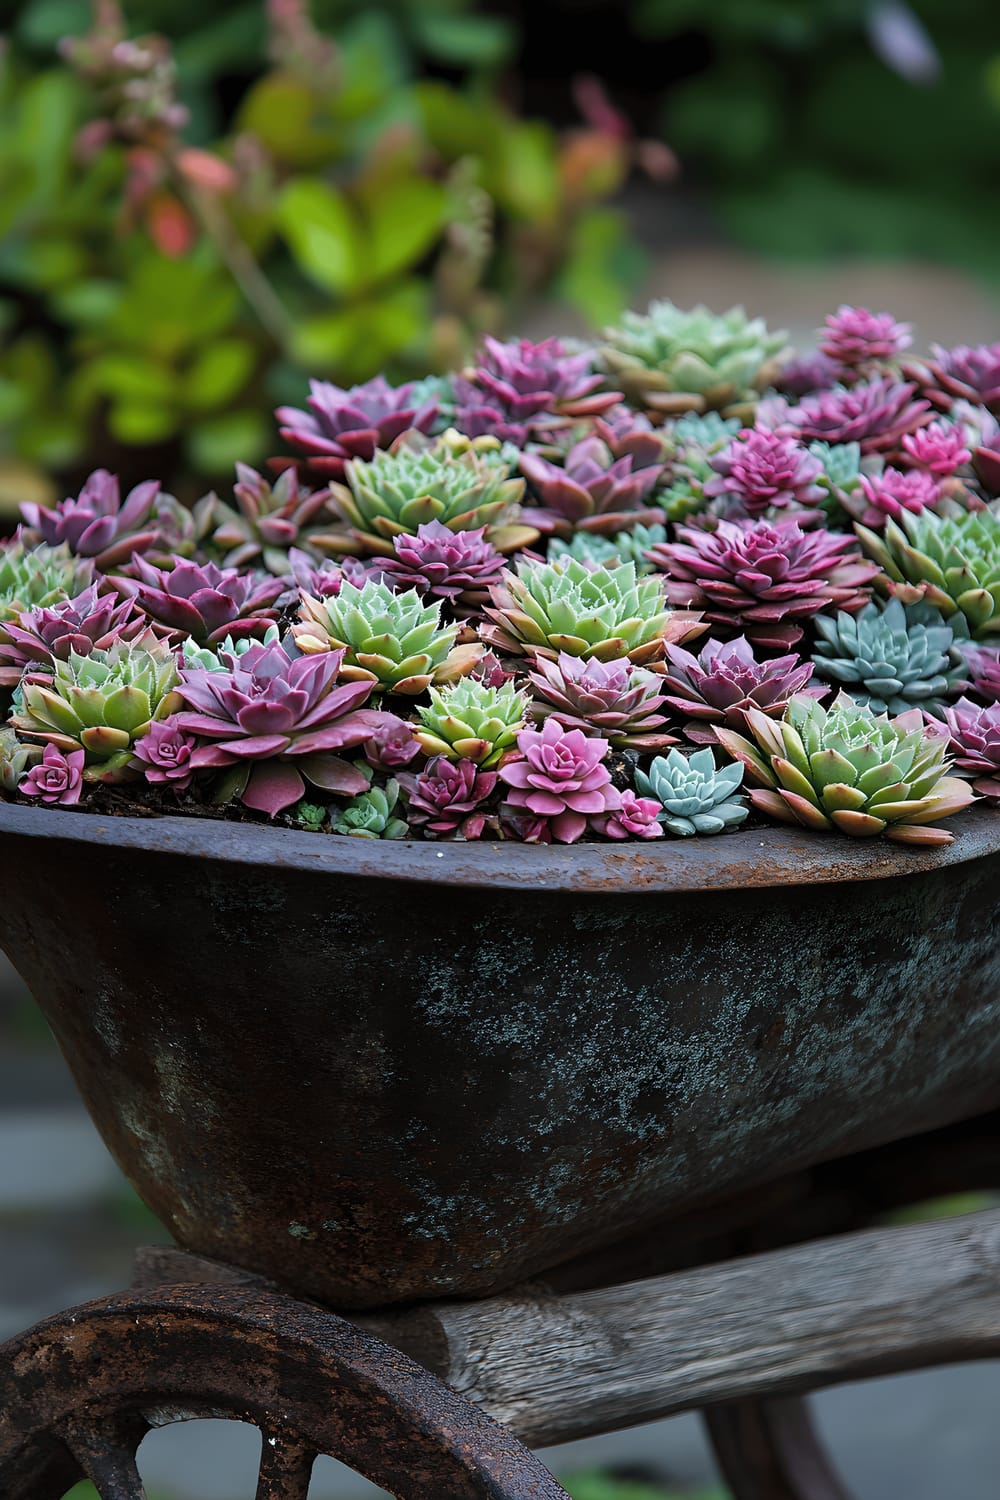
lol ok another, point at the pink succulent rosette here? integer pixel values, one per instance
(560, 778)
(636, 818)
(445, 798)
(459, 566)
(761, 470)
(854, 337)
(341, 424)
(725, 680)
(57, 778)
(975, 744)
(984, 671)
(939, 448)
(87, 622)
(876, 414)
(892, 492)
(164, 753)
(615, 700)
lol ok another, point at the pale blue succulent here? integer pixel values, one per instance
(709, 431)
(209, 658)
(609, 552)
(694, 795)
(841, 464)
(891, 657)
(370, 815)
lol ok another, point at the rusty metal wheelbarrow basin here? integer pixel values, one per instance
(380, 1072)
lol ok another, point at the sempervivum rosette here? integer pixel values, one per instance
(277, 723)
(343, 424)
(975, 744)
(99, 524)
(984, 672)
(560, 779)
(876, 414)
(518, 390)
(892, 657)
(614, 699)
(724, 680)
(950, 562)
(459, 566)
(546, 608)
(592, 491)
(36, 577)
(854, 339)
(961, 374)
(762, 580)
(267, 519)
(202, 601)
(760, 471)
(41, 635)
(849, 768)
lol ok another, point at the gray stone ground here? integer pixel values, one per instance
(68, 1225)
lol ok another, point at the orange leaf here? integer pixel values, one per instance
(206, 170)
(170, 226)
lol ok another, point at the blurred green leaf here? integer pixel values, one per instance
(465, 40)
(603, 263)
(133, 377)
(280, 110)
(139, 422)
(323, 233)
(219, 373)
(214, 446)
(527, 184)
(404, 220)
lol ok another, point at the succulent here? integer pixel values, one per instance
(695, 797)
(986, 462)
(593, 491)
(37, 577)
(16, 759)
(891, 657)
(47, 632)
(762, 579)
(635, 817)
(399, 491)
(841, 466)
(279, 722)
(890, 493)
(674, 361)
(446, 798)
(940, 448)
(560, 778)
(520, 389)
(308, 576)
(854, 338)
(395, 640)
(370, 815)
(724, 680)
(310, 816)
(203, 601)
(213, 658)
(805, 373)
(961, 374)
(267, 519)
(472, 721)
(615, 700)
(163, 754)
(950, 562)
(101, 703)
(100, 525)
(761, 471)
(57, 778)
(458, 566)
(975, 743)
(345, 424)
(983, 663)
(704, 432)
(392, 745)
(546, 608)
(876, 414)
(596, 551)
(847, 767)
(630, 434)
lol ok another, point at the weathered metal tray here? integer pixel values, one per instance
(378, 1072)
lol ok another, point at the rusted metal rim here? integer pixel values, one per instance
(758, 857)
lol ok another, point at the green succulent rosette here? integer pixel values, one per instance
(848, 768)
(672, 360)
(607, 613)
(36, 577)
(395, 640)
(463, 488)
(696, 796)
(471, 721)
(370, 815)
(102, 703)
(950, 562)
(608, 552)
(891, 656)
(16, 760)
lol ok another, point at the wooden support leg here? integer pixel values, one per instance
(769, 1450)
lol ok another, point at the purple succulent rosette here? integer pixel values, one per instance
(726, 679)
(763, 580)
(164, 753)
(975, 744)
(635, 818)
(351, 423)
(202, 601)
(99, 524)
(520, 389)
(760, 471)
(591, 491)
(984, 671)
(965, 373)
(560, 778)
(876, 414)
(57, 778)
(890, 493)
(460, 566)
(282, 721)
(446, 798)
(90, 621)
(940, 449)
(853, 338)
(614, 700)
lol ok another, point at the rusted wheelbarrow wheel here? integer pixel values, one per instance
(79, 1392)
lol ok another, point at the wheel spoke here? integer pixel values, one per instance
(769, 1450)
(106, 1454)
(286, 1466)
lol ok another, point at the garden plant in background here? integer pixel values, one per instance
(195, 218)
(408, 634)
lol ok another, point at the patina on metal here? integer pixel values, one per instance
(80, 1391)
(381, 1072)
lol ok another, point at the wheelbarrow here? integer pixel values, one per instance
(469, 1149)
